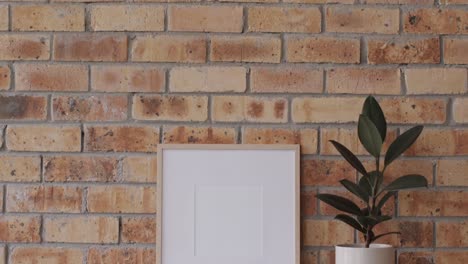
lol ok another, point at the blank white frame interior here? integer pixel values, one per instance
(230, 204)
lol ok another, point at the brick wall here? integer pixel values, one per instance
(88, 90)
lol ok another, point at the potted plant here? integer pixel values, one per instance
(371, 189)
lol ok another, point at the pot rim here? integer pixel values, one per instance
(362, 246)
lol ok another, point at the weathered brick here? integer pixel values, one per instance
(326, 110)
(174, 108)
(420, 257)
(403, 50)
(452, 234)
(81, 229)
(121, 199)
(284, 19)
(48, 18)
(400, 2)
(362, 20)
(402, 167)
(250, 109)
(44, 199)
(20, 169)
(321, 1)
(205, 18)
(326, 233)
(363, 81)
(80, 169)
(451, 257)
(127, 79)
(441, 142)
(452, 172)
(166, 48)
(308, 203)
(307, 138)
(24, 47)
(4, 18)
(199, 135)
(139, 230)
(326, 172)
(43, 138)
(90, 47)
(433, 203)
(455, 51)
(413, 234)
(436, 21)
(246, 49)
(208, 79)
(309, 257)
(460, 110)
(121, 255)
(414, 110)
(51, 77)
(5, 77)
(90, 108)
(121, 138)
(436, 81)
(453, 2)
(46, 255)
(327, 257)
(286, 79)
(20, 229)
(322, 49)
(139, 169)
(23, 107)
(127, 18)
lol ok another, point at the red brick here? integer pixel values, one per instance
(451, 257)
(400, 2)
(453, 2)
(139, 230)
(455, 51)
(322, 49)
(326, 110)
(127, 79)
(436, 81)
(51, 77)
(80, 169)
(402, 167)
(414, 111)
(173, 108)
(121, 255)
(436, 21)
(121, 138)
(460, 110)
(127, 18)
(321, 1)
(286, 79)
(20, 229)
(246, 49)
(199, 135)
(46, 255)
(43, 138)
(167, 48)
(307, 138)
(284, 19)
(139, 169)
(363, 81)
(90, 108)
(121, 199)
(48, 18)
(308, 203)
(309, 257)
(24, 47)
(452, 172)
(44, 199)
(326, 172)
(403, 50)
(20, 169)
(362, 20)
(420, 257)
(326, 233)
(81, 229)
(23, 107)
(205, 18)
(452, 234)
(5, 77)
(439, 142)
(4, 18)
(90, 47)
(413, 234)
(433, 203)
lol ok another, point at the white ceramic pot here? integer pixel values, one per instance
(358, 254)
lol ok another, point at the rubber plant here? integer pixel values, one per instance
(371, 188)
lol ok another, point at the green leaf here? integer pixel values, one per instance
(349, 157)
(340, 203)
(373, 220)
(407, 182)
(402, 143)
(355, 189)
(350, 221)
(369, 136)
(365, 185)
(384, 200)
(375, 181)
(372, 109)
(384, 234)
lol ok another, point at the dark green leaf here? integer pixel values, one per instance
(402, 143)
(384, 200)
(372, 109)
(340, 203)
(365, 184)
(350, 221)
(375, 180)
(350, 157)
(407, 182)
(369, 136)
(373, 220)
(355, 189)
(384, 234)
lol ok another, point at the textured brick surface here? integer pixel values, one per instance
(99, 229)
(48, 18)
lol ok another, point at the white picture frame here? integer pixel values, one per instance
(228, 204)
